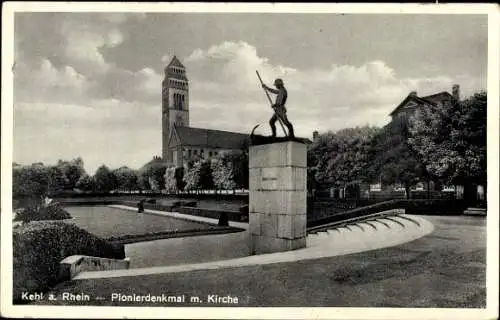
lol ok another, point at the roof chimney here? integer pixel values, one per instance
(413, 93)
(315, 135)
(455, 92)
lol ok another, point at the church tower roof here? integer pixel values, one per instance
(175, 69)
(175, 62)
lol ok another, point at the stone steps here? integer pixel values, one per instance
(362, 231)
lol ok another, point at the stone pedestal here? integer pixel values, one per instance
(278, 197)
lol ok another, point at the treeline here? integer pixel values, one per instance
(445, 144)
(41, 180)
(226, 171)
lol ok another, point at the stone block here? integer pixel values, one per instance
(73, 265)
(263, 244)
(254, 178)
(254, 223)
(291, 226)
(278, 178)
(269, 179)
(292, 178)
(278, 202)
(289, 153)
(269, 225)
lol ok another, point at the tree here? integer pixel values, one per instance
(57, 180)
(104, 179)
(31, 182)
(170, 181)
(192, 177)
(391, 158)
(206, 179)
(126, 178)
(85, 183)
(222, 172)
(152, 174)
(342, 156)
(142, 180)
(72, 171)
(179, 175)
(238, 161)
(451, 140)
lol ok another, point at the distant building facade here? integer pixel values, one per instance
(412, 102)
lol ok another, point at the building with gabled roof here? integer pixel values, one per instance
(413, 101)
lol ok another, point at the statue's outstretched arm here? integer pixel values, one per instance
(271, 89)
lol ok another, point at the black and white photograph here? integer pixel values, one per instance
(240, 161)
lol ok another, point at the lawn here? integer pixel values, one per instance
(108, 222)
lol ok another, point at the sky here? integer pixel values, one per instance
(89, 84)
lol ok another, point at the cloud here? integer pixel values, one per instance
(44, 82)
(84, 43)
(232, 63)
(141, 86)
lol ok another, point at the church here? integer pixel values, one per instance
(182, 143)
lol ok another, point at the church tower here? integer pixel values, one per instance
(175, 103)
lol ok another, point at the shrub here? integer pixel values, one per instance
(434, 207)
(39, 247)
(52, 211)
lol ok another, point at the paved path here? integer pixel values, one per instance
(378, 234)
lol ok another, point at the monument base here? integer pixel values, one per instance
(277, 197)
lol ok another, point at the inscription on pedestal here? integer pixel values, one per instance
(269, 179)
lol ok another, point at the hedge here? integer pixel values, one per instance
(39, 247)
(52, 211)
(434, 207)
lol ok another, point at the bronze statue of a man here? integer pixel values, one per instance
(279, 107)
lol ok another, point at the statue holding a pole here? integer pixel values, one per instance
(278, 107)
